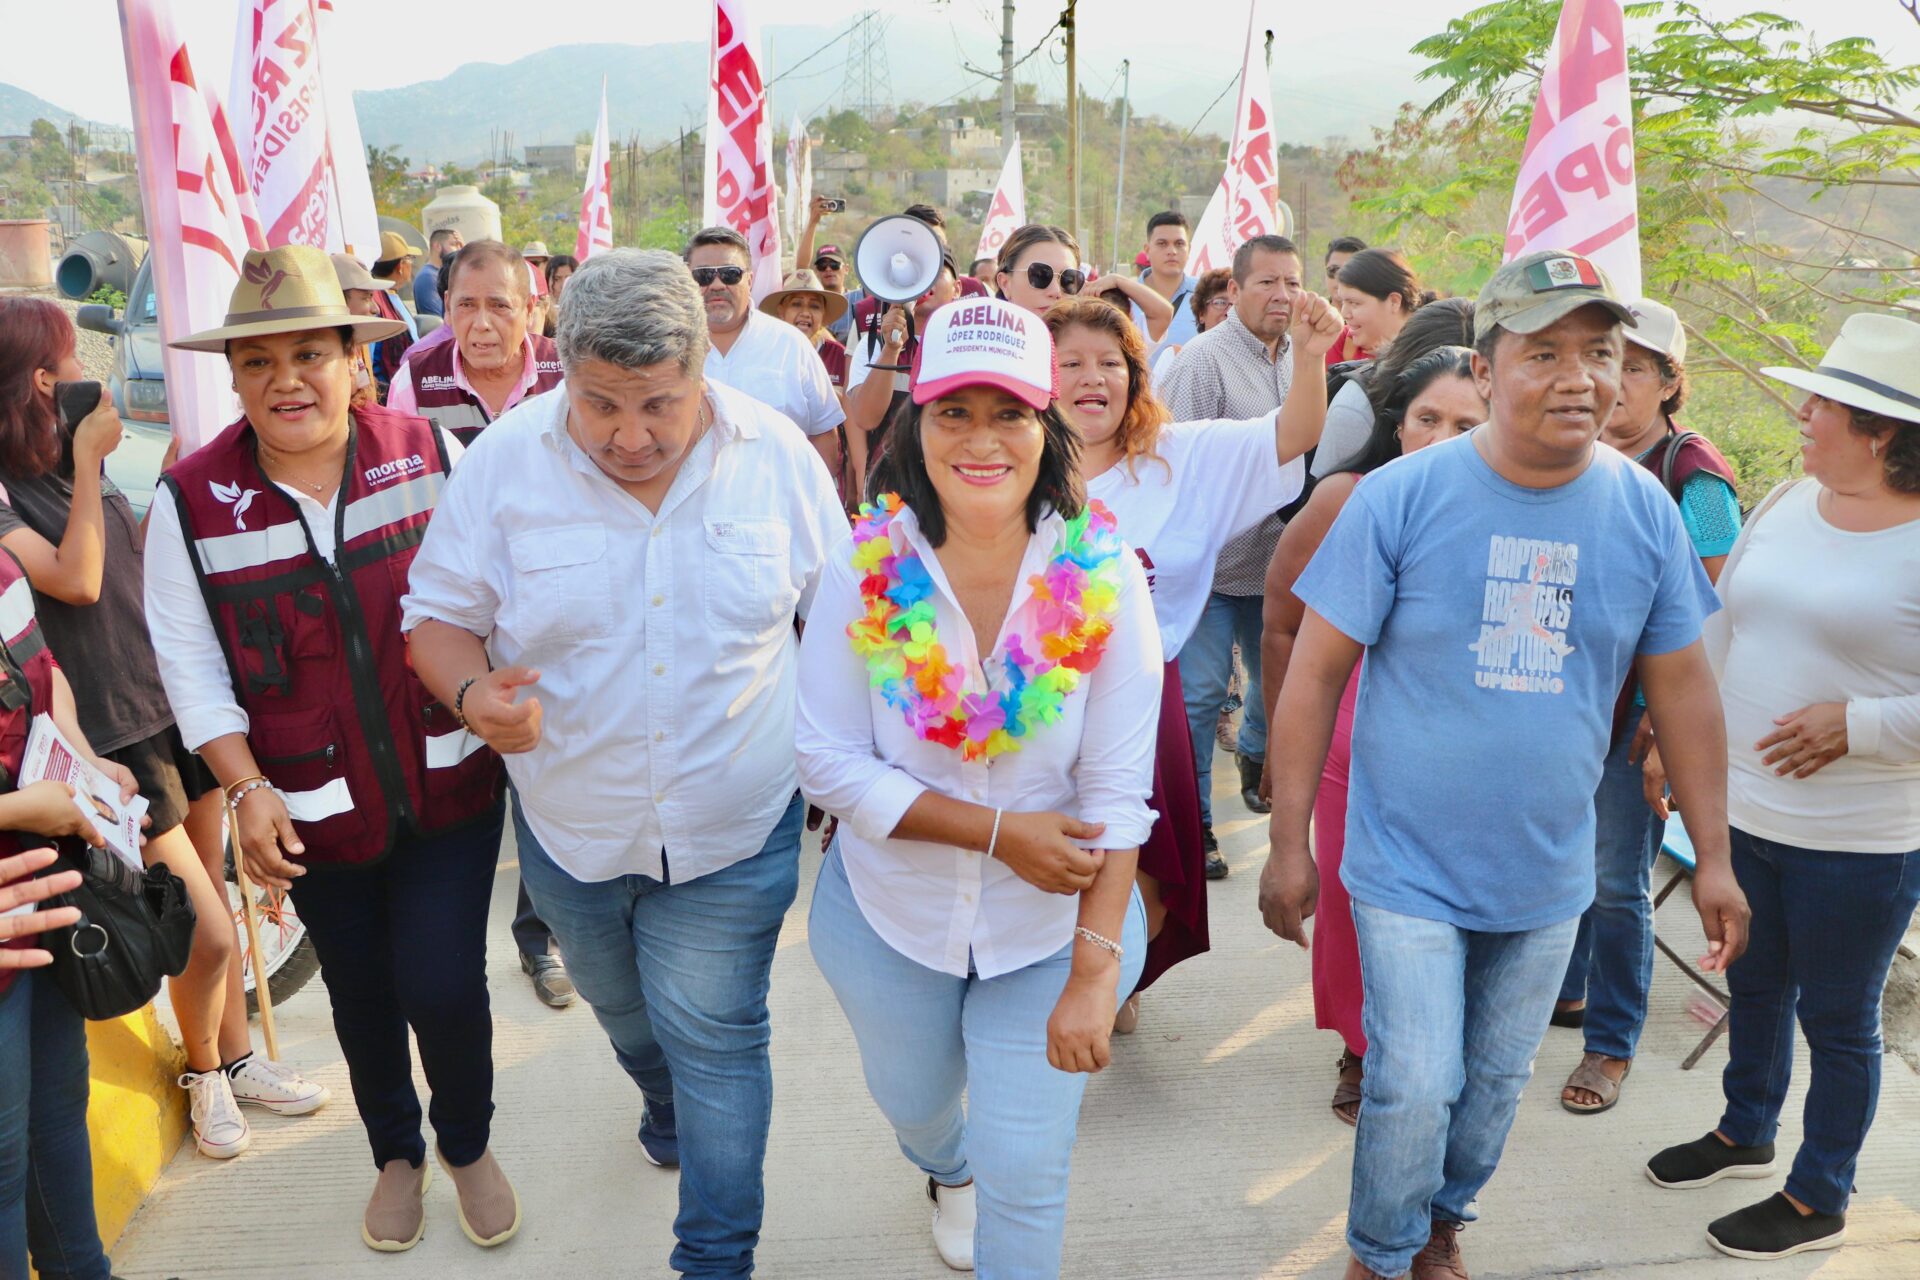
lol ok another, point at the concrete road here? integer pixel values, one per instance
(1206, 1151)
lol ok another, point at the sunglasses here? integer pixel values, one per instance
(1040, 275)
(729, 276)
(826, 264)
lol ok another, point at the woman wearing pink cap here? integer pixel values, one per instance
(979, 688)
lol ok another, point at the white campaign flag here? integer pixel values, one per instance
(1576, 190)
(278, 97)
(596, 201)
(739, 182)
(200, 218)
(1247, 201)
(1008, 212)
(359, 216)
(799, 179)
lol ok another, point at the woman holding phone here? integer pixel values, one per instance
(81, 546)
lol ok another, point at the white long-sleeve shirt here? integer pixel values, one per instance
(664, 640)
(940, 905)
(1819, 614)
(193, 668)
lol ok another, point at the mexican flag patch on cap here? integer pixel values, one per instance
(1566, 272)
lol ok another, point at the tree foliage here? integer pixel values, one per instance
(1778, 177)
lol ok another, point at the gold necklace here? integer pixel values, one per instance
(267, 455)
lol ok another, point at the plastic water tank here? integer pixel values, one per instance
(463, 209)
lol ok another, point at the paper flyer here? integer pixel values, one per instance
(50, 755)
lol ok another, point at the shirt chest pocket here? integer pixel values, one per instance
(561, 587)
(747, 575)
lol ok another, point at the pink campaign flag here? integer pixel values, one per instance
(1008, 212)
(200, 218)
(286, 151)
(1576, 189)
(1247, 201)
(739, 186)
(596, 202)
(359, 216)
(799, 180)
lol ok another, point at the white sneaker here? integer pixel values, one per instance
(219, 1130)
(953, 1215)
(262, 1082)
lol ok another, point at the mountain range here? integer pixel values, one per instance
(19, 109)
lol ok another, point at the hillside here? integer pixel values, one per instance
(19, 109)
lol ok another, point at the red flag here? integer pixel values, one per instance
(739, 170)
(596, 202)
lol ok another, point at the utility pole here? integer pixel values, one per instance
(1120, 184)
(1006, 76)
(1073, 122)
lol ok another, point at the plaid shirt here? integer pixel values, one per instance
(1227, 373)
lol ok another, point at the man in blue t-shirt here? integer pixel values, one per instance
(1501, 584)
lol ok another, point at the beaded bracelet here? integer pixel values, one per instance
(994, 839)
(460, 700)
(247, 788)
(252, 777)
(1107, 945)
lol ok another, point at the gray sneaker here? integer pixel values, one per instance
(550, 980)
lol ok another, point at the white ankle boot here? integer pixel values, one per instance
(953, 1217)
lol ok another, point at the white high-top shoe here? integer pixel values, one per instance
(953, 1218)
(219, 1130)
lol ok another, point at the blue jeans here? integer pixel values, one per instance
(1206, 667)
(46, 1170)
(1453, 1019)
(403, 948)
(1612, 965)
(928, 1037)
(677, 972)
(1825, 927)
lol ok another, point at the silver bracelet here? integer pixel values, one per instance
(247, 789)
(1107, 945)
(994, 839)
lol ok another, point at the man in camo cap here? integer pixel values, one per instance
(1501, 583)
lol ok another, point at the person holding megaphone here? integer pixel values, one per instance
(907, 268)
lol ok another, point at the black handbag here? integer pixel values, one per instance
(135, 928)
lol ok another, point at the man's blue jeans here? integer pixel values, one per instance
(926, 1037)
(1825, 927)
(46, 1169)
(690, 961)
(1612, 965)
(1206, 668)
(1453, 1019)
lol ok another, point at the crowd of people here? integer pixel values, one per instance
(663, 578)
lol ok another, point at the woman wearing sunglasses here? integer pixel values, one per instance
(1040, 264)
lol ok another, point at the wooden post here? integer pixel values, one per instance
(261, 987)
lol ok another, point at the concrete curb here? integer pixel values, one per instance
(136, 1115)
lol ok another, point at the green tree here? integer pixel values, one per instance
(1778, 174)
(387, 169)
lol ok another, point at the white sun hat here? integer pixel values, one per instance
(1873, 365)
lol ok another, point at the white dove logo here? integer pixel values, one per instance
(237, 498)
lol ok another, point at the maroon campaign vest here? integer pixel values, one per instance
(338, 721)
(26, 686)
(1692, 453)
(448, 406)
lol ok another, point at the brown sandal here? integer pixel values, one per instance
(1589, 1076)
(1346, 1094)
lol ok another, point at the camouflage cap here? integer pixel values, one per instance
(1530, 293)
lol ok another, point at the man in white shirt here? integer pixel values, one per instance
(752, 352)
(608, 596)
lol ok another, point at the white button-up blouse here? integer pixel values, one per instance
(948, 908)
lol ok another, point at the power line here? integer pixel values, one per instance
(1210, 107)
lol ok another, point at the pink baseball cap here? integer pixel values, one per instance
(974, 342)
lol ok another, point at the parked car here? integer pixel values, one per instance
(139, 386)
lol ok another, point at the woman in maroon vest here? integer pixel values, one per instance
(277, 555)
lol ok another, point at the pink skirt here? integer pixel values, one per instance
(1337, 998)
(1173, 853)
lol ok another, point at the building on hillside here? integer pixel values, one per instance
(966, 143)
(569, 158)
(430, 176)
(945, 188)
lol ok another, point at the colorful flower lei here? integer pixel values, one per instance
(1077, 595)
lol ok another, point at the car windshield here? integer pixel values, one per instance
(144, 309)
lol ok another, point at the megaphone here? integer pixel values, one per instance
(897, 259)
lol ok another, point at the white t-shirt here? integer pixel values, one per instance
(775, 364)
(1818, 614)
(858, 368)
(1220, 478)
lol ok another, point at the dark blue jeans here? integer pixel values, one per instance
(403, 944)
(1825, 927)
(677, 974)
(46, 1171)
(1612, 965)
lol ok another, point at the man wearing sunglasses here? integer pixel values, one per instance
(831, 266)
(754, 353)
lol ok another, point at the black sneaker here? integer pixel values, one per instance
(1705, 1161)
(1216, 865)
(1775, 1229)
(660, 1137)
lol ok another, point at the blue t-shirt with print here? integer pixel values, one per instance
(1500, 622)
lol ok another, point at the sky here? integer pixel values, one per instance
(68, 51)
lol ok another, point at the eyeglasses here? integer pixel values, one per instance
(729, 276)
(1220, 303)
(1040, 275)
